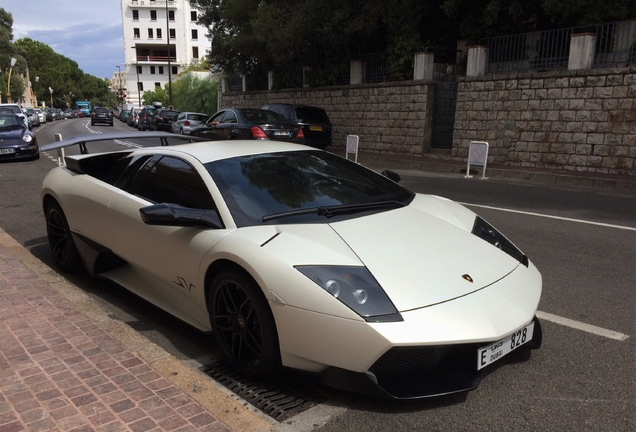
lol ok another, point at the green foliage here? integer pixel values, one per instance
(190, 93)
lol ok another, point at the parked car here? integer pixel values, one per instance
(313, 120)
(17, 142)
(134, 111)
(67, 114)
(15, 109)
(292, 256)
(186, 121)
(101, 115)
(123, 115)
(60, 114)
(145, 117)
(248, 123)
(163, 119)
(41, 114)
(32, 116)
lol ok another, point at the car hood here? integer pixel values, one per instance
(419, 254)
(11, 136)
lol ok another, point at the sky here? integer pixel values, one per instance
(88, 32)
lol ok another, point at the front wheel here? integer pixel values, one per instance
(60, 240)
(243, 325)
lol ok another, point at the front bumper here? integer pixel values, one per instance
(419, 372)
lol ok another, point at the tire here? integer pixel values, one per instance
(61, 242)
(243, 325)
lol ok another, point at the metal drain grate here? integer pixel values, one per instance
(279, 399)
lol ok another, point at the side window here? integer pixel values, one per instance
(174, 181)
(230, 117)
(217, 118)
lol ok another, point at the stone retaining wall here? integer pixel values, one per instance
(393, 118)
(573, 120)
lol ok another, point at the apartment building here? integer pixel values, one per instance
(160, 39)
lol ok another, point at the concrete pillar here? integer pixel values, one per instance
(270, 80)
(356, 72)
(423, 66)
(244, 82)
(462, 51)
(306, 71)
(582, 49)
(477, 60)
(224, 85)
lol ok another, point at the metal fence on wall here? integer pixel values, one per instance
(550, 49)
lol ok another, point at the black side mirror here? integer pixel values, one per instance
(392, 175)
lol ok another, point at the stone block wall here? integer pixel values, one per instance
(392, 118)
(573, 120)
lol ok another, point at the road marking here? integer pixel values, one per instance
(599, 331)
(552, 217)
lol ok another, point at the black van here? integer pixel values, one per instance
(313, 120)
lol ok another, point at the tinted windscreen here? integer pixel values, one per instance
(306, 114)
(197, 117)
(263, 116)
(261, 185)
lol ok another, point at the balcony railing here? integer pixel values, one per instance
(152, 3)
(155, 58)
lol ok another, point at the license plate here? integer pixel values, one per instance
(282, 133)
(7, 151)
(315, 128)
(493, 352)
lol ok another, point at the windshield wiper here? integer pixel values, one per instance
(330, 211)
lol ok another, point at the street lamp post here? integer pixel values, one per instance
(137, 69)
(169, 64)
(13, 61)
(37, 78)
(51, 91)
(118, 85)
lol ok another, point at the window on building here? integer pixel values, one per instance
(140, 86)
(136, 33)
(193, 15)
(157, 85)
(153, 15)
(135, 15)
(195, 52)
(171, 15)
(195, 34)
(173, 34)
(150, 33)
(174, 70)
(160, 70)
(158, 33)
(139, 69)
(152, 70)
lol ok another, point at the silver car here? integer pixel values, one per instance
(186, 121)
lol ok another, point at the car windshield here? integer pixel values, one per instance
(309, 114)
(302, 187)
(258, 116)
(197, 117)
(9, 122)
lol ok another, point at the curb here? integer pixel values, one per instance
(199, 387)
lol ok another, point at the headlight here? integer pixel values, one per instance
(27, 138)
(485, 231)
(356, 288)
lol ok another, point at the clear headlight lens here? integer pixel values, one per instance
(485, 231)
(356, 288)
(27, 138)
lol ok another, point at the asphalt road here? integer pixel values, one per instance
(583, 240)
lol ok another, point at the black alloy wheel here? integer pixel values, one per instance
(60, 240)
(243, 325)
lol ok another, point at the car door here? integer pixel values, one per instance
(176, 126)
(213, 129)
(168, 256)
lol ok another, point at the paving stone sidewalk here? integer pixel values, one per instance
(66, 366)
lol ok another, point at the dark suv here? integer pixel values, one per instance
(163, 118)
(101, 115)
(313, 120)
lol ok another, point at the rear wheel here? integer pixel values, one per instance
(60, 240)
(243, 325)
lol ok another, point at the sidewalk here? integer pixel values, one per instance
(435, 164)
(65, 365)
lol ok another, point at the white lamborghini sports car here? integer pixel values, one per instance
(299, 258)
